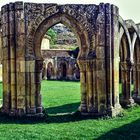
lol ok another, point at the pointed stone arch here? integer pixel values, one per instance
(125, 63)
(96, 26)
(135, 56)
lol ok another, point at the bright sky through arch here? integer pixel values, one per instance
(128, 9)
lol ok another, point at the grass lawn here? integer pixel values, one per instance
(62, 97)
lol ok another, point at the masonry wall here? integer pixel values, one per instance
(96, 27)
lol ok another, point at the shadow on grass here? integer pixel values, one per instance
(59, 114)
(126, 132)
(63, 80)
(67, 108)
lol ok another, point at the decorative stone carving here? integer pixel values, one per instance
(97, 28)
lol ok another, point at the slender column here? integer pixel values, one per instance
(55, 67)
(138, 79)
(126, 85)
(135, 79)
(38, 68)
(89, 77)
(13, 59)
(82, 66)
(115, 60)
(136, 95)
(108, 52)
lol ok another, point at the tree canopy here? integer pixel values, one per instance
(52, 35)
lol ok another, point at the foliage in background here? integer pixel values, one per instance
(52, 34)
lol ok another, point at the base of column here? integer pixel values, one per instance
(4, 110)
(82, 108)
(136, 98)
(13, 112)
(36, 112)
(38, 115)
(113, 111)
(32, 112)
(127, 102)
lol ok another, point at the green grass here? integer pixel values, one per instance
(62, 97)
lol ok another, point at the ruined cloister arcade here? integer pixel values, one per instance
(109, 52)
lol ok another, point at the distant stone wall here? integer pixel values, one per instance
(60, 68)
(54, 53)
(45, 44)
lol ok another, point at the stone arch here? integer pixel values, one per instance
(49, 62)
(135, 53)
(124, 32)
(49, 70)
(81, 35)
(39, 28)
(125, 63)
(96, 27)
(134, 34)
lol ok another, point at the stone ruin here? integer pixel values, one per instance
(60, 64)
(106, 42)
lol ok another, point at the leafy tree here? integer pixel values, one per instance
(52, 35)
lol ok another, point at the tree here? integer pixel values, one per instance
(52, 35)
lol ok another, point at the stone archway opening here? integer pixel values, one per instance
(95, 26)
(59, 60)
(123, 57)
(63, 70)
(49, 70)
(136, 73)
(125, 70)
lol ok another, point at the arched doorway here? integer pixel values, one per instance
(28, 24)
(47, 24)
(49, 70)
(125, 65)
(136, 72)
(63, 70)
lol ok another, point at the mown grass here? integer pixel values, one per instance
(62, 97)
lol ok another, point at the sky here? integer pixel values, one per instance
(128, 9)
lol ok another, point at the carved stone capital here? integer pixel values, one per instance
(137, 66)
(82, 65)
(127, 65)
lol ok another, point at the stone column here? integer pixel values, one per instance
(38, 71)
(116, 108)
(126, 99)
(55, 67)
(136, 95)
(108, 52)
(89, 79)
(6, 60)
(100, 61)
(70, 71)
(135, 80)
(83, 105)
(12, 38)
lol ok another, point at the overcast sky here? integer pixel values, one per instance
(128, 9)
